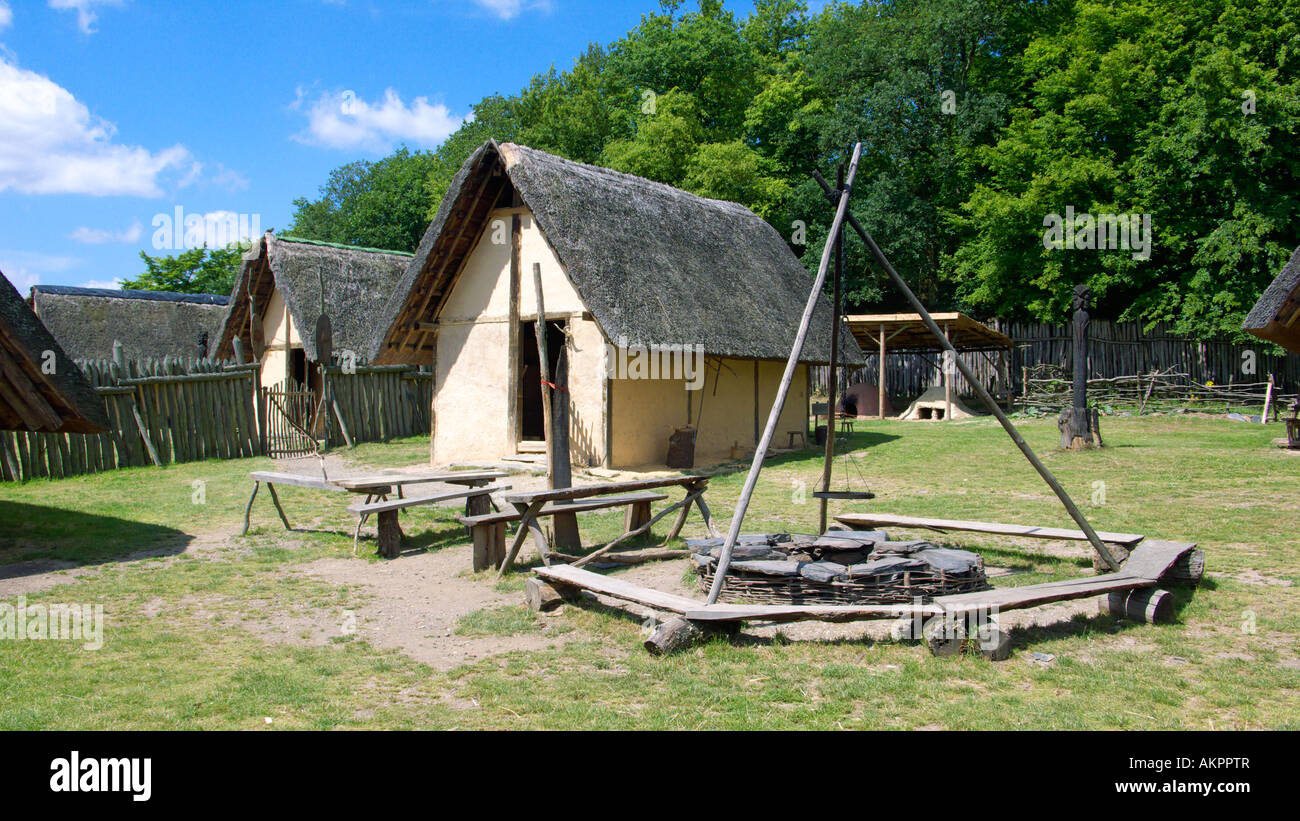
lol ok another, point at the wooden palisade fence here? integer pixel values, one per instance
(1115, 350)
(173, 410)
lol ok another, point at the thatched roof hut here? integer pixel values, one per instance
(653, 263)
(149, 324)
(1276, 316)
(284, 275)
(40, 387)
(637, 278)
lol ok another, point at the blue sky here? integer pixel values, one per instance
(113, 112)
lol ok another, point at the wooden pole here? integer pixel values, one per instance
(557, 451)
(1268, 400)
(792, 363)
(545, 369)
(832, 384)
(947, 376)
(880, 388)
(979, 389)
(1074, 422)
(513, 334)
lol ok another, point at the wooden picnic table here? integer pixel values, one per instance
(379, 486)
(530, 505)
(375, 486)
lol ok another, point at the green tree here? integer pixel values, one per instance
(1185, 111)
(196, 271)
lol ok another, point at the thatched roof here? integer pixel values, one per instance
(357, 281)
(1276, 316)
(30, 399)
(653, 263)
(153, 324)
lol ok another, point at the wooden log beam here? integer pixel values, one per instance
(760, 452)
(1048, 477)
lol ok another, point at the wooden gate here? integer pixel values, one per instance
(289, 418)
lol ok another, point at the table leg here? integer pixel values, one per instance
(249, 507)
(527, 522)
(278, 508)
(356, 534)
(390, 534)
(708, 517)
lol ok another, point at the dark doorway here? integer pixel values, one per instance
(297, 369)
(532, 426)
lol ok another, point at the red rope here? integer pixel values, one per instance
(553, 386)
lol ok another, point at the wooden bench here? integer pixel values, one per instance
(375, 486)
(1132, 592)
(489, 530)
(389, 531)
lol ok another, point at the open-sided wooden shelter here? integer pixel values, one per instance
(147, 324)
(41, 389)
(1276, 316)
(278, 297)
(899, 333)
(625, 264)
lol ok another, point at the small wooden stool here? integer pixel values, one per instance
(803, 437)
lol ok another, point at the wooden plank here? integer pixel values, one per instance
(602, 489)
(398, 479)
(870, 520)
(806, 612)
(617, 588)
(413, 501)
(601, 503)
(293, 479)
(1153, 557)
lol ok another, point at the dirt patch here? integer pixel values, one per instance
(1255, 577)
(412, 605)
(38, 575)
(21, 578)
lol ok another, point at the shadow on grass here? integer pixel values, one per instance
(37, 535)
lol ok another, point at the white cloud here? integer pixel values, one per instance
(85, 9)
(510, 9)
(100, 236)
(27, 268)
(229, 179)
(6, 15)
(343, 120)
(54, 145)
(21, 278)
(114, 284)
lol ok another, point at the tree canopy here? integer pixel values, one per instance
(980, 120)
(196, 271)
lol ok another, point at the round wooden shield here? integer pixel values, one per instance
(324, 339)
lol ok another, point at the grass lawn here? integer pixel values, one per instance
(182, 595)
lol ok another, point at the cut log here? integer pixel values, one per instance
(489, 545)
(672, 636)
(1150, 605)
(1120, 552)
(1115, 603)
(944, 638)
(635, 516)
(390, 534)
(542, 596)
(993, 642)
(1189, 569)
